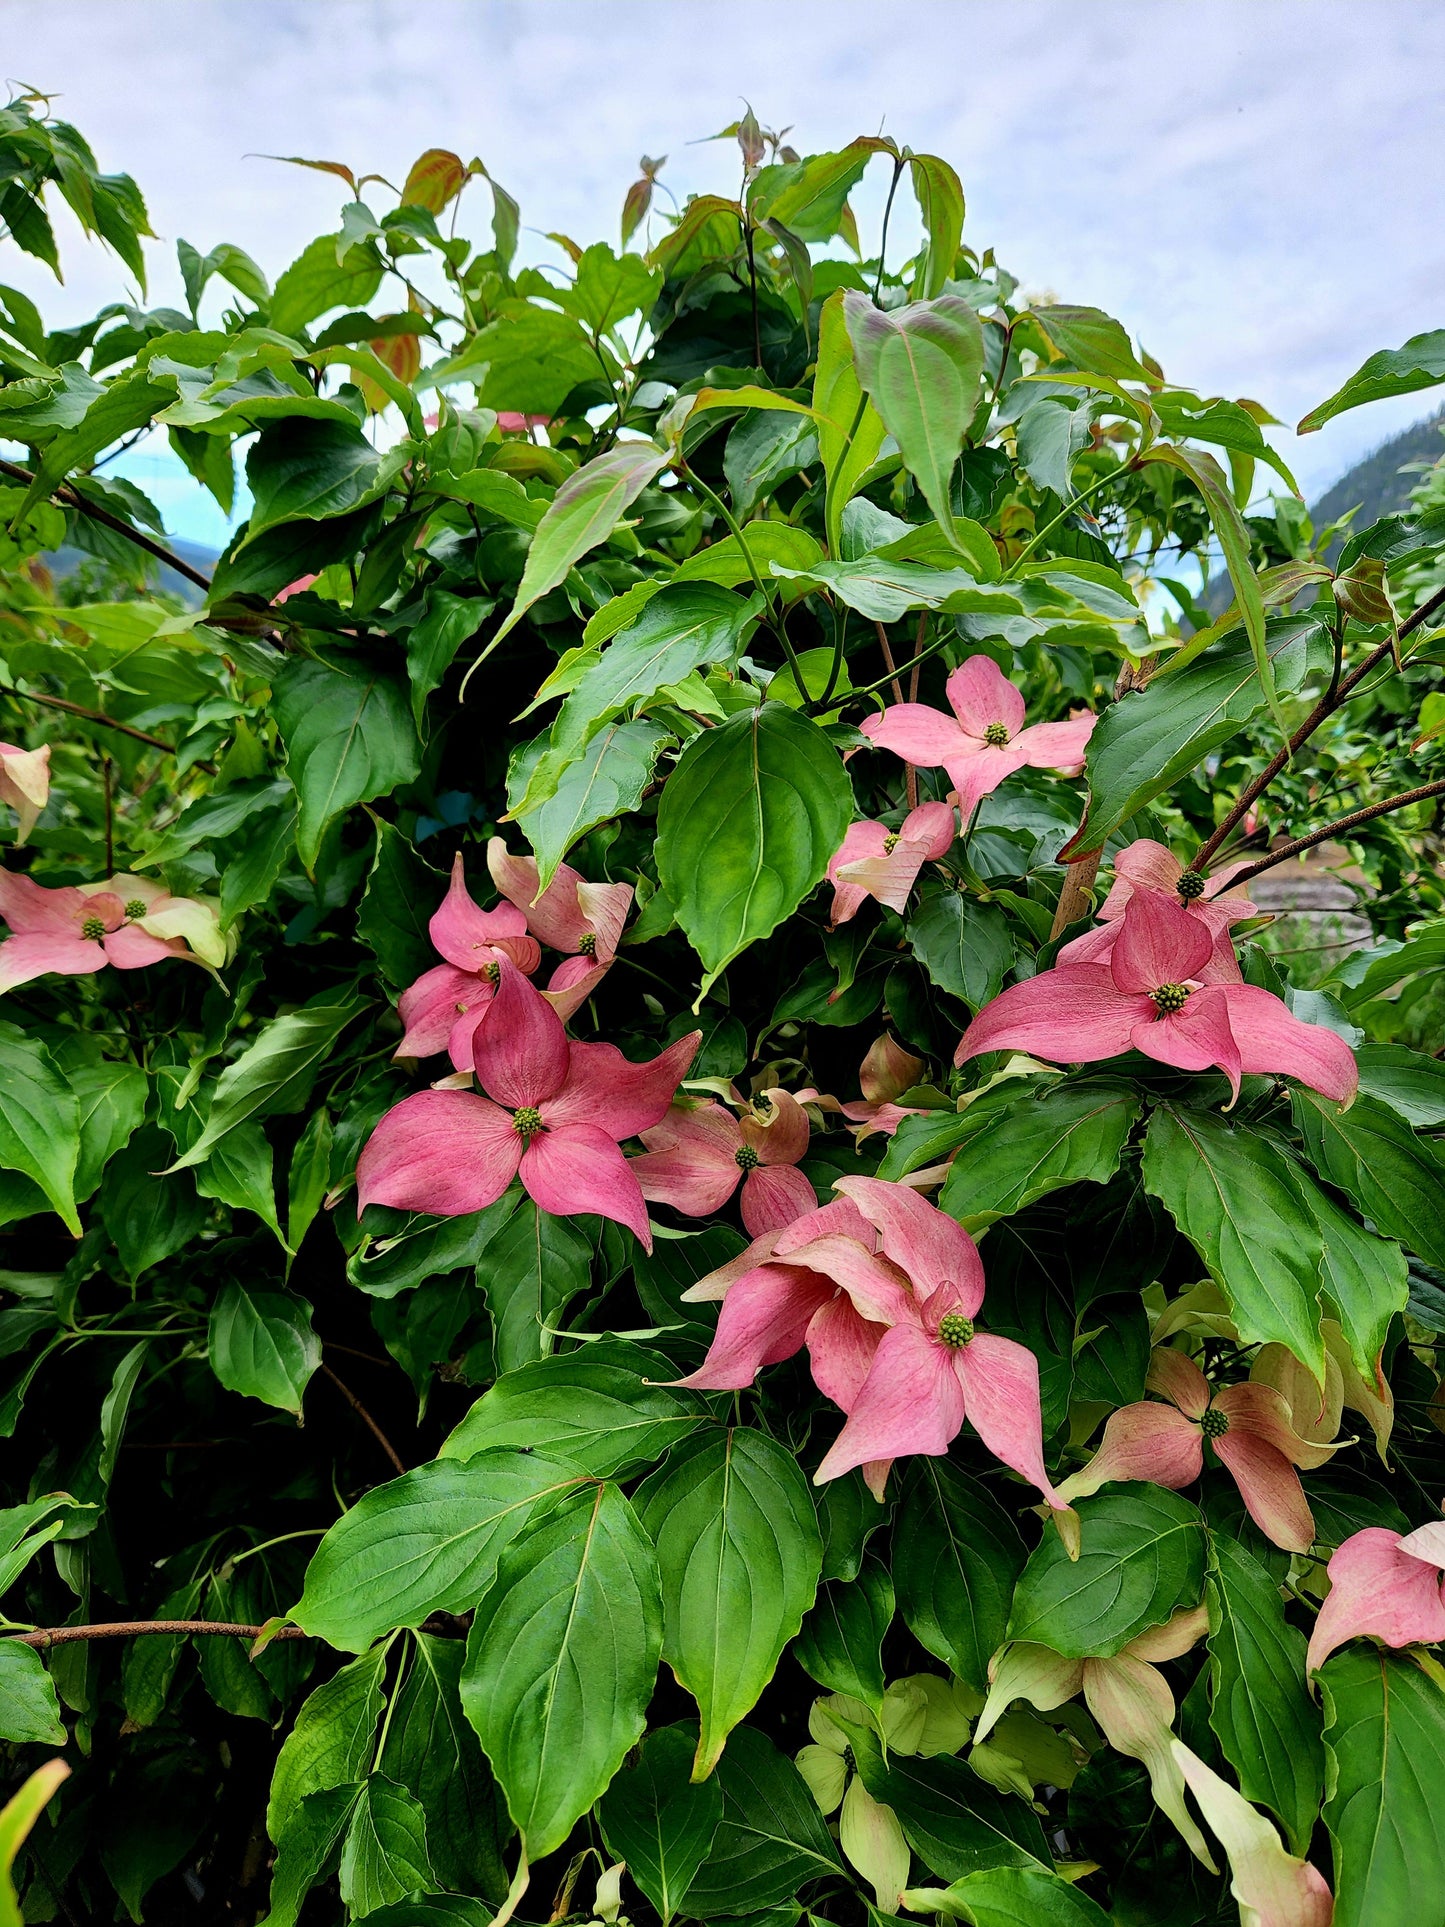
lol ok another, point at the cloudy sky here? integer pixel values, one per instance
(1252, 186)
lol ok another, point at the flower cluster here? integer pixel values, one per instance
(126, 921)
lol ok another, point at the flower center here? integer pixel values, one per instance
(587, 944)
(954, 1330)
(492, 972)
(1215, 1423)
(93, 929)
(1169, 998)
(996, 735)
(890, 843)
(135, 908)
(747, 1158)
(527, 1121)
(1191, 886)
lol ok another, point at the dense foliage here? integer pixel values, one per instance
(777, 665)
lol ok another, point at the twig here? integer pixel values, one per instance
(74, 500)
(91, 716)
(47, 1636)
(361, 1412)
(1340, 827)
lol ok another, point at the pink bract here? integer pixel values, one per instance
(73, 931)
(584, 919)
(555, 1113)
(874, 861)
(984, 740)
(1146, 865)
(698, 1155)
(1386, 1586)
(25, 784)
(445, 1005)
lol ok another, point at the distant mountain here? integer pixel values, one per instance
(1376, 485)
(65, 561)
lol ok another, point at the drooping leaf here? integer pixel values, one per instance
(656, 1819)
(965, 946)
(1014, 1897)
(739, 1554)
(1370, 1153)
(39, 1121)
(332, 1741)
(531, 1270)
(1407, 1080)
(956, 1559)
(402, 893)
(315, 283)
(349, 737)
(302, 470)
(954, 1821)
(1364, 1279)
(850, 429)
(384, 1854)
(29, 1710)
(1091, 339)
(939, 194)
(262, 1345)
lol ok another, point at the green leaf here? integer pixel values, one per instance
(1012, 1897)
(660, 1823)
(39, 1122)
(921, 367)
(240, 1172)
(956, 1560)
(308, 1850)
(954, 1821)
(302, 470)
(608, 288)
(966, 947)
(349, 737)
(1141, 1558)
(449, 621)
(309, 1178)
(533, 360)
(1260, 1707)
(607, 780)
(1031, 1142)
(841, 1644)
(426, 1542)
(1393, 371)
(1407, 1080)
(262, 1345)
(1364, 1280)
(384, 1855)
(432, 1752)
(739, 1554)
(680, 630)
(1091, 339)
(939, 194)
(1370, 1153)
(402, 894)
(17, 1817)
(885, 589)
(331, 1743)
(1145, 742)
(1233, 1196)
(432, 1910)
(273, 1074)
(29, 1710)
(531, 1270)
(149, 1216)
(850, 430)
(808, 196)
(601, 1408)
(112, 1101)
(315, 283)
(1385, 1731)
(771, 1839)
(745, 828)
(563, 1661)
(584, 511)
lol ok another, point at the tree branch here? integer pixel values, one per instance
(74, 500)
(97, 716)
(367, 1420)
(1341, 826)
(47, 1636)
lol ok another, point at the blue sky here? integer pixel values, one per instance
(1252, 186)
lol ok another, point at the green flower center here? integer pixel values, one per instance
(493, 973)
(1191, 886)
(890, 843)
(93, 929)
(996, 735)
(587, 944)
(135, 908)
(527, 1121)
(954, 1330)
(1215, 1423)
(1169, 998)
(747, 1158)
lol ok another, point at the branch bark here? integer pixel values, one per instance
(47, 1636)
(1341, 826)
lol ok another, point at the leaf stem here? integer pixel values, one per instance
(779, 628)
(883, 237)
(1064, 513)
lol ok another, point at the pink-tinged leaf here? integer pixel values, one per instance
(888, 1071)
(1180, 1634)
(841, 1345)
(464, 934)
(606, 1089)
(520, 1054)
(131, 948)
(1059, 746)
(691, 1159)
(764, 1319)
(1158, 943)
(1193, 1038)
(1272, 1038)
(922, 736)
(25, 784)
(1135, 1709)
(910, 1403)
(777, 1128)
(980, 694)
(1377, 1590)
(1174, 1375)
(22, 959)
(446, 1152)
(775, 1195)
(932, 1248)
(1273, 1888)
(1072, 1014)
(1149, 1442)
(1024, 1671)
(429, 1009)
(1001, 1399)
(579, 1169)
(1269, 1485)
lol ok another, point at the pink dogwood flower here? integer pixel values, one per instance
(1146, 865)
(555, 1113)
(984, 740)
(1384, 1585)
(585, 919)
(75, 930)
(699, 1154)
(1248, 1425)
(874, 861)
(884, 1075)
(25, 784)
(449, 1001)
(1172, 990)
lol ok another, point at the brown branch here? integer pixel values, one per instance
(1341, 826)
(888, 662)
(1074, 897)
(361, 1412)
(47, 1636)
(74, 500)
(88, 715)
(1333, 699)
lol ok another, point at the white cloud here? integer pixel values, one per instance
(1251, 186)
